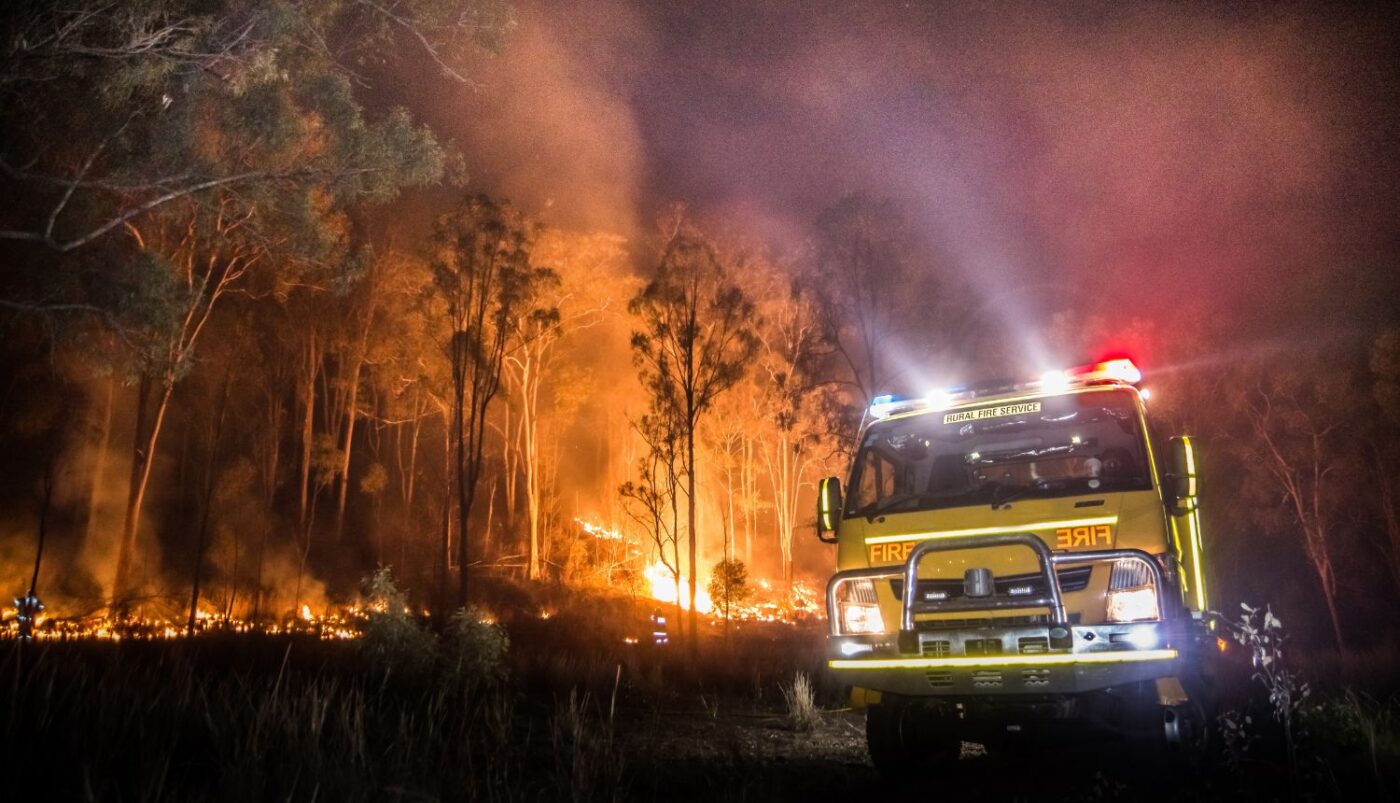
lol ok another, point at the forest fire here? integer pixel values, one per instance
(759, 600)
(476, 399)
(663, 586)
(344, 623)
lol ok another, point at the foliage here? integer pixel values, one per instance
(729, 584)
(1262, 633)
(474, 647)
(173, 99)
(394, 640)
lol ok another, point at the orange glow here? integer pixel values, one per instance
(662, 586)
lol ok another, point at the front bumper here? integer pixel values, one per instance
(1102, 657)
(1054, 658)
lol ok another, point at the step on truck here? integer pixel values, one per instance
(1016, 558)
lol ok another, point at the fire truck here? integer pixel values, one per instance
(1016, 558)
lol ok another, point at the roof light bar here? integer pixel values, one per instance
(1118, 369)
(1115, 370)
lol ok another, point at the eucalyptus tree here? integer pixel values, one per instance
(568, 305)
(198, 139)
(695, 341)
(488, 286)
(1299, 452)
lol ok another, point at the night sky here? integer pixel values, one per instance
(1128, 160)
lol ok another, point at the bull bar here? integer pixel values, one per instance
(1095, 659)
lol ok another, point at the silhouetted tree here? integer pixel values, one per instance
(1296, 443)
(696, 341)
(483, 273)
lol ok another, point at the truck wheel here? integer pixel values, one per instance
(1186, 731)
(906, 739)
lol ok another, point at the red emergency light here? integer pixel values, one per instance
(1119, 369)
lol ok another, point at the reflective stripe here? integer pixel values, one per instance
(826, 506)
(1194, 525)
(1020, 528)
(1115, 657)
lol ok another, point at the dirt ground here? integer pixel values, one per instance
(738, 755)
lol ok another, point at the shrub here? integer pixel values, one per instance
(393, 639)
(729, 585)
(474, 647)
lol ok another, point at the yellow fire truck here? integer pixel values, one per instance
(1015, 557)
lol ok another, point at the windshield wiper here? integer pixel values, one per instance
(891, 502)
(1036, 487)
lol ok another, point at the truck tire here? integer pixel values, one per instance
(906, 739)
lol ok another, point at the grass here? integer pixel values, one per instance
(567, 711)
(802, 709)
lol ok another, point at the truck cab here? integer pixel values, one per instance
(1015, 554)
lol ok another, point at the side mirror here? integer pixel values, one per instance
(1181, 479)
(828, 509)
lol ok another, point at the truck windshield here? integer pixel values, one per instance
(1054, 446)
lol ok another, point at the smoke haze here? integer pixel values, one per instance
(1120, 159)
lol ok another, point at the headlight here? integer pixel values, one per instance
(1133, 605)
(857, 610)
(1132, 593)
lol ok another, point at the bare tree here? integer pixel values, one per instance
(863, 283)
(533, 362)
(1297, 440)
(1384, 442)
(792, 343)
(653, 500)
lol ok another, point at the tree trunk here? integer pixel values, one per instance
(350, 414)
(408, 484)
(749, 480)
(207, 507)
(463, 507)
(1326, 576)
(510, 469)
(143, 456)
(445, 552)
(694, 617)
(99, 466)
(310, 371)
(529, 430)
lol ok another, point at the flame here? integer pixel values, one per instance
(599, 531)
(306, 612)
(662, 585)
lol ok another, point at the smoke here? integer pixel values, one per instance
(550, 125)
(1129, 160)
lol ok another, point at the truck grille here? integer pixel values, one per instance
(1075, 578)
(936, 648)
(982, 646)
(963, 623)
